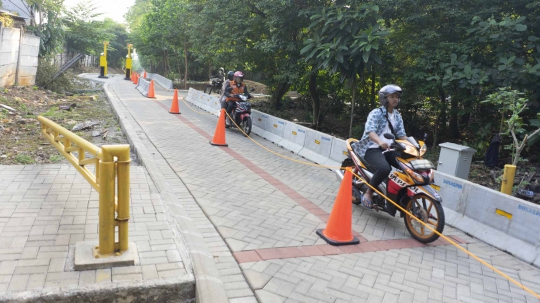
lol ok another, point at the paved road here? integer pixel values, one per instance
(259, 212)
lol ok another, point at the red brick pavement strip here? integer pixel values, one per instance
(328, 250)
(307, 251)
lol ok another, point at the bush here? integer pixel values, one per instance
(46, 69)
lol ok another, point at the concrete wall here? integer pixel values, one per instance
(18, 57)
(503, 221)
(9, 55)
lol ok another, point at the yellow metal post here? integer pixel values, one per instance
(129, 62)
(508, 179)
(107, 180)
(103, 61)
(122, 219)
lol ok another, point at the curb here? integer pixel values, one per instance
(171, 290)
(208, 284)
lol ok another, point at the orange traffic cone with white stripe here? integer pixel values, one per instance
(144, 76)
(174, 106)
(219, 134)
(339, 227)
(151, 93)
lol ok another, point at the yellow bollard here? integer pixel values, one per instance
(129, 63)
(508, 179)
(111, 171)
(103, 61)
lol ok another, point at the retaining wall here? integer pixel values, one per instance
(18, 57)
(503, 221)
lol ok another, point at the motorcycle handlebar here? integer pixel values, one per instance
(388, 150)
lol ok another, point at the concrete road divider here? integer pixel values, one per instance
(317, 146)
(503, 221)
(161, 81)
(338, 152)
(259, 121)
(293, 137)
(143, 87)
(274, 129)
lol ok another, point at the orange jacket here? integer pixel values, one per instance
(233, 89)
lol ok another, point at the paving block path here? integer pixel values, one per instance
(258, 214)
(46, 209)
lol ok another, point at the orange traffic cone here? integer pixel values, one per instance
(137, 80)
(151, 93)
(144, 75)
(339, 228)
(219, 134)
(174, 106)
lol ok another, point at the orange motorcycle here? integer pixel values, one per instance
(411, 187)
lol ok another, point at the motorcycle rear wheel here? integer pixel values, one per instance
(246, 125)
(208, 90)
(428, 211)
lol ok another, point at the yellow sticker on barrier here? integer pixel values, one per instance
(317, 142)
(346, 153)
(503, 213)
(275, 125)
(294, 133)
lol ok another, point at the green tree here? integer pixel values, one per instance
(46, 23)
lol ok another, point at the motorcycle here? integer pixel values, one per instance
(411, 187)
(216, 85)
(242, 115)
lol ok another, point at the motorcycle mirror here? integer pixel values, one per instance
(389, 136)
(252, 89)
(425, 136)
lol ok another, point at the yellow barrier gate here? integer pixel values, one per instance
(112, 170)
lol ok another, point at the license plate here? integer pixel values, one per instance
(435, 187)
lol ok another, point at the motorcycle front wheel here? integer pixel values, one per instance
(428, 211)
(208, 90)
(246, 125)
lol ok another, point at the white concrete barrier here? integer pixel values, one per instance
(338, 152)
(498, 219)
(294, 137)
(274, 129)
(317, 146)
(143, 86)
(161, 81)
(259, 121)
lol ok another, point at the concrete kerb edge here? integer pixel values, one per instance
(203, 271)
(179, 290)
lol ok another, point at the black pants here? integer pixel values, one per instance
(381, 163)
(230, 108)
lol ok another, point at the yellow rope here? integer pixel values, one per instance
(398, 206)
(198, 112)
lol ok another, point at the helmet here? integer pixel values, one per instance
(388, 90)
(230, 75)
(238, 77)
(222, 69)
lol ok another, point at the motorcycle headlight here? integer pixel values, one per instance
(423, 149)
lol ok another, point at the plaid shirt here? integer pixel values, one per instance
(376, 122)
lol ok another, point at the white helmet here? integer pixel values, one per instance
(388, 90)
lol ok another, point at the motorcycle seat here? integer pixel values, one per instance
(368, 166)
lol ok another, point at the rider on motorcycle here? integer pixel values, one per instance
(221, 74)
(226, 84)
(236, 87)
(382, 120)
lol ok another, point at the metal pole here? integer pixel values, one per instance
(123, 196)
(106, 204)
(508, 179)
(129, 62)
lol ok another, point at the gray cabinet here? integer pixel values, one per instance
(455, 160)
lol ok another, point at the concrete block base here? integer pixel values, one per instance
(85, 260)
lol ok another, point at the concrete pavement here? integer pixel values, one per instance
(248, 219)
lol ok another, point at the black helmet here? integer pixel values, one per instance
(230, 75)
(388, 90)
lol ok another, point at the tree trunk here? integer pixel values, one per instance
(209, 71)
(316, 101)
(373, 86)
(185, 64)
(353, 87)
(277, 94)
(454, 127)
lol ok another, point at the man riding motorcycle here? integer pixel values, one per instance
(382, 120)
(236, 87)
(226, 84)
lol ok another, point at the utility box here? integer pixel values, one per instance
(455, 160)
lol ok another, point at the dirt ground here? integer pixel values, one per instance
(21, 141)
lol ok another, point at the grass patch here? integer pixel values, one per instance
(24, 159)
(55, 158)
